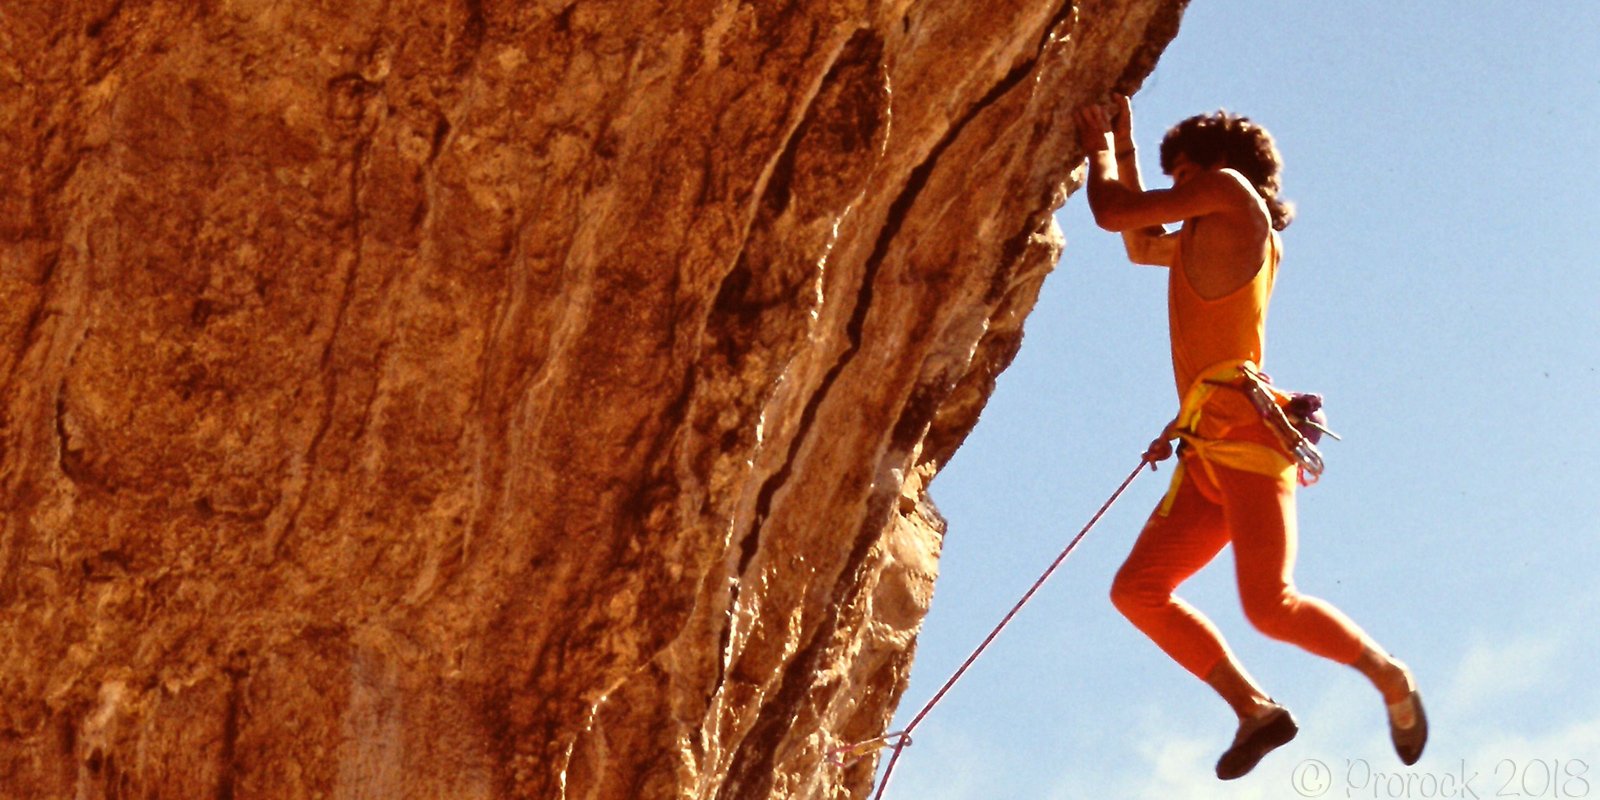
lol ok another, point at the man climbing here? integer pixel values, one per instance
(1236, 477)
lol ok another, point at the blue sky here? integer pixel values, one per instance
(1440, 288)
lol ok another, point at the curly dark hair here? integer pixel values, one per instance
(1232, 141)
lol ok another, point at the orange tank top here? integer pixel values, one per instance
(1231, 327)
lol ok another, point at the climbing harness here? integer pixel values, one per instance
(1295, 419)
(1159, 450)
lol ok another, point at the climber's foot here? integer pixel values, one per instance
(1408, 728)
(1257, 737)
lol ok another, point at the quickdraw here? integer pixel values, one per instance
(1295, 418)
(849, 754)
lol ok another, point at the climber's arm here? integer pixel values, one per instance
(1150, 245)
(1118, 208)
(1121, 123)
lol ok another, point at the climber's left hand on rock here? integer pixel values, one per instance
(1094, 128)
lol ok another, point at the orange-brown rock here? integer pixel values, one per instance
(481, 399)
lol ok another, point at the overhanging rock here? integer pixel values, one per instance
(481, 399)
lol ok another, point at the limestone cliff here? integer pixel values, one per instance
(481, 399)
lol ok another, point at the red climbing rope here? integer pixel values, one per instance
(1159, 450)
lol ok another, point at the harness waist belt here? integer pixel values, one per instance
(1297, 454)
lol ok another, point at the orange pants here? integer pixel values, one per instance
(1255, 512)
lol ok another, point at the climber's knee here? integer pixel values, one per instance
(1272, 613)
(1135, 596)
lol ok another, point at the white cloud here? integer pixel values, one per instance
(1561, 763)
(1177, 758)
(1182, 767)
(1476, 750)
(945, 763)
(1523, 765)
(1492, 670)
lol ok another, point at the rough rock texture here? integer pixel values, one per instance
(481, 399)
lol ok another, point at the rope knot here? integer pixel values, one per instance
(1159, 450)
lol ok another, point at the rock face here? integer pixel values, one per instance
(481, 399)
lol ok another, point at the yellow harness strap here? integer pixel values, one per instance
(1247, 456)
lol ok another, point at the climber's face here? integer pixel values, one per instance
(1183, 169)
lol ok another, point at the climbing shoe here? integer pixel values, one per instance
(1256, 738)
(1410, 739)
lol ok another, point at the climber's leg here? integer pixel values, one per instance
(1169, 550)
(1260, 514)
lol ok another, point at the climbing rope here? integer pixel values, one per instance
(1159, 450)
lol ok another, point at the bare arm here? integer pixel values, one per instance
(1150, 245)
(1118, 207)
(1146, 247)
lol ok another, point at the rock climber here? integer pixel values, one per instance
(1235, 481)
